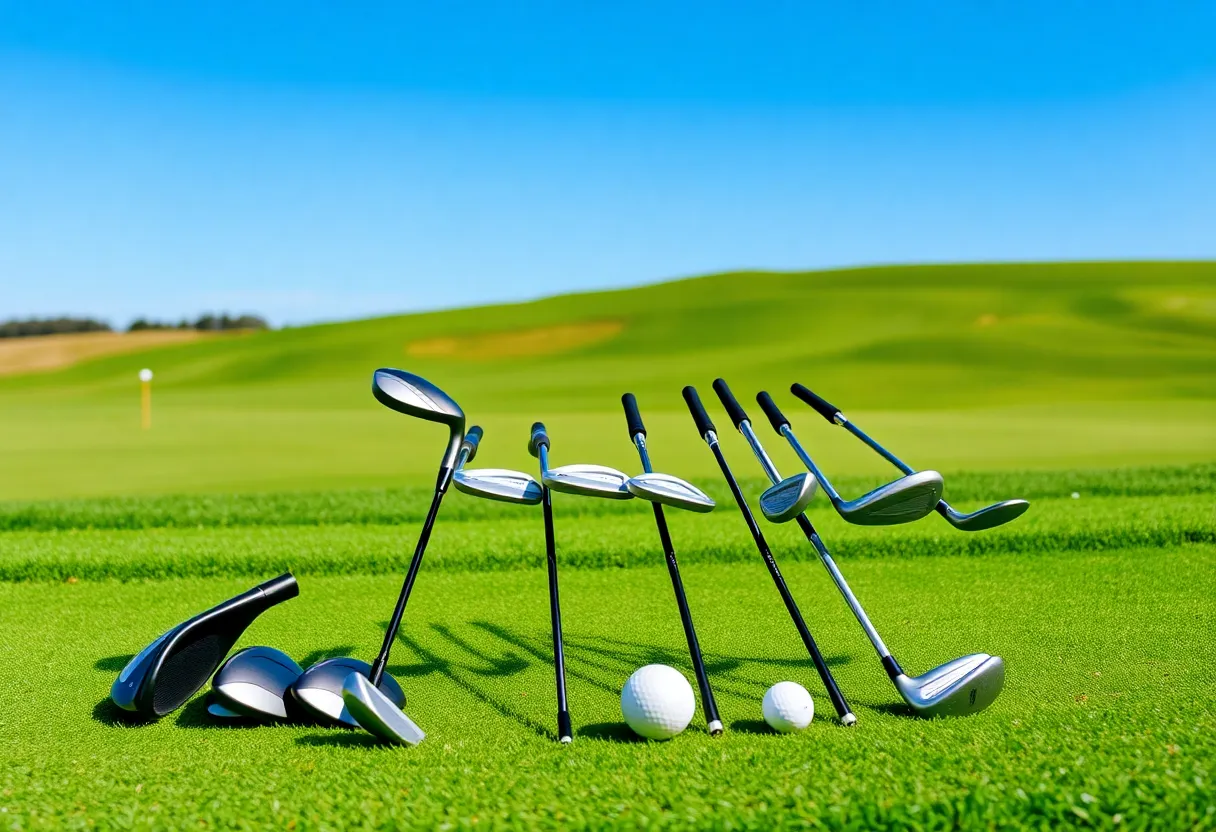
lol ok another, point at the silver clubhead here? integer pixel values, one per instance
(958, 688)
(319, 689)
(670, 491)
(787, 499)
(908, 498)
(218, 711)
(589, 481)
(254, 682)
(988, 517)
(499, 484)
(377, 714)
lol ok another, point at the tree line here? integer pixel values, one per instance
(28, 327)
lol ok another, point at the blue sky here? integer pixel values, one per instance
(317, 161)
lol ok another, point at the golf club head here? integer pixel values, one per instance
(319, 689)
(589, 481)
(670, 491)
(415, 396)
(377, 714)
(958, 688)
(499, 484)
(174, 667)
(908, 498)
(997, 514)
(217, 711)
(789, 498)
(254, 683)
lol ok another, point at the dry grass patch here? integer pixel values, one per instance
(546, 340)
(42, 353)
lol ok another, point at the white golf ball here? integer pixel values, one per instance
(657, 702)
(788, 707)
(145, 375)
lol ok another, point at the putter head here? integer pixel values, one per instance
(958, 688)
(499, 484)
(589, 481)
(253, 683)
(170, 670)
(997, 514)
(377, 714)
(415, 396)
(908, 498)
(670, 491)
(319, 690)
(787, 499)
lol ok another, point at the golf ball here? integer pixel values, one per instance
(657, 702)
(788, 707)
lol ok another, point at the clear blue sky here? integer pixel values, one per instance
(314, 161)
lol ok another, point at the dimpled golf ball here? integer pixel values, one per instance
(657, 702)
(788, 707)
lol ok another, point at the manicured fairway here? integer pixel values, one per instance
(1106, 718)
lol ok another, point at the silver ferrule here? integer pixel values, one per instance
(770, 470)
(711, 438)
(640, 441)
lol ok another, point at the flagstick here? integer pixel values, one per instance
(145, 398)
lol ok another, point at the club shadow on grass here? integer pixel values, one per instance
(113, 664)
(752, 726)
(509, 663)
(609, 732)
(107, 713)
(543, 655)
(328, 653)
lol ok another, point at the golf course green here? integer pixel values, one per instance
(1089, 389)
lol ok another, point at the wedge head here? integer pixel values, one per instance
(988, 517)
(319, 690)
(908, 498)
(787, 499)
(670, 491)
(958, 688)
(499, 484)
(377, 714)
(589, 481)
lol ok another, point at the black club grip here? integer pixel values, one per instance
(538, 438)
(632, 417)
(472, 439)
(699, 416)
(733, 409)
(823, 407)
(775, 417)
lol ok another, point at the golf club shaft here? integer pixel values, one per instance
(709, 704)
(565, 732)
(394, 623)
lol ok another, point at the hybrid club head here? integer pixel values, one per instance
(670, 491)
(254, 683)
(377, 714)
(958, 688)
(319, 689)
(174, 667)
(414, 396)
(589, 481)
(988, 517)
(908, 498)
(789, 498)
(499, 484)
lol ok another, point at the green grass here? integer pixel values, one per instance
(963, 368)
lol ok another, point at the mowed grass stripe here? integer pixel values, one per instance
(583, 541)
(1105, 718)
(409, 505)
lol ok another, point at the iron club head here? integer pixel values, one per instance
(964, 686)
(319, 689)
(499, 484)
(377, 714)
(908, 498)
(589, 481)
(987, 517)
(670, 491)
(787, 499)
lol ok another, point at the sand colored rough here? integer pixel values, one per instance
(43, 353)
(547, 340)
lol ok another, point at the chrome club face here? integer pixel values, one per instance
(670, 491)
(787, 499)
(377, 714)
(964, 686)
(589, 481)
(902, 501)
(499, 484)
(414, 396)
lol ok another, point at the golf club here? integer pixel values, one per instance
(906, 499)
(987, 517)
(492, 483)
(170, 670)
(705, 427)
(253, 684)
(538, 446)
(662, 490)
(964, 686)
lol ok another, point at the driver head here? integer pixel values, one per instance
(908, 498)
(670, 491)
(499, 484)
(988, 517)
(589, 481)
(958, 688)
(415, 396)
(787, 499)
